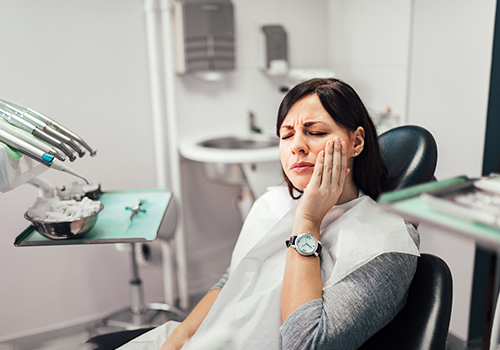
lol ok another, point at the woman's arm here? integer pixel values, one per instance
(189, 326)
(356, 307)
(302, 279)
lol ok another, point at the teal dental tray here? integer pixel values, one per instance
(113, 224)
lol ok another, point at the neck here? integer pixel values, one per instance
(349, 192)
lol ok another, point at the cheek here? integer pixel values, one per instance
(283, 154)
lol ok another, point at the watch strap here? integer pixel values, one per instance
(291, 241)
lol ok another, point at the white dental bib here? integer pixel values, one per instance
(352, 234)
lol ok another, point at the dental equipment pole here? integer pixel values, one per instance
(174, 158)
(37, 154)
(23, 135)
(159, 44)
(155, 73)
(158, 115)
(31, 129)
(41, 126)
(55, 125)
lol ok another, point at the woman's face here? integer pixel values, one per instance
(304, 133)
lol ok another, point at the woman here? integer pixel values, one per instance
(347, 265)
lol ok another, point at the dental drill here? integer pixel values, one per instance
(40, 125)
(31, 129)
(37, 154)
(52, 123)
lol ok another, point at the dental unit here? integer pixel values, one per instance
(32, 129)
(51, 123)
(37, 154)
(23, 135)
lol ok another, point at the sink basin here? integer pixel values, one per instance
(232, 149)
(245, 160)
(238, 142)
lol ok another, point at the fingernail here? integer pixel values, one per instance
(343, 144)
(337, 140)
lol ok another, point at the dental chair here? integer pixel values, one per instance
(423, 322)
(410, 154)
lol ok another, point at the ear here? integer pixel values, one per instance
(358, 138)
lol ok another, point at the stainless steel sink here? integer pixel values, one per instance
(228, 171)
(241, 142)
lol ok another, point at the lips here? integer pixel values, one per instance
(301, 167)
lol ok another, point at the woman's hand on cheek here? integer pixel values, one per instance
(326, 184)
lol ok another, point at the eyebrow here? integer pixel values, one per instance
(306, 124)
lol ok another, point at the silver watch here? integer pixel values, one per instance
(305, 244)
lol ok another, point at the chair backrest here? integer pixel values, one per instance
(423, 322)
(410, 155)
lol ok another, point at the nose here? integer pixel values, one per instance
(299, 144)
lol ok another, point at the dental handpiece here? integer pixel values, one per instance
(23, 135)
(54, 125)
(30, 128)
(36, 154)
(22, 113)
(62, 130)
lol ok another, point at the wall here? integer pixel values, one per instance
(84, 64)
(369, 48)
(450, 79)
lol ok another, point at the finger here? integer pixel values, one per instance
(343, 171)
(328, 165)
(317, 175)
(337, 162)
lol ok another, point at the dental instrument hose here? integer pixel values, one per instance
(53, 124)
(37, 154)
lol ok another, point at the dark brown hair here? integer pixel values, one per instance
(348, 111)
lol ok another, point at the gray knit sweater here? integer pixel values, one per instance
(355, 308)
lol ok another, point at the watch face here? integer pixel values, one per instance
(306, 244)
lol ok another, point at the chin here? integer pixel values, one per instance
(300, 183)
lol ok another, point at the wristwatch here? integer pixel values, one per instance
(305, 244)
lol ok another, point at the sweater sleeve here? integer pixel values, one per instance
(222, 281)
(355, 308)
